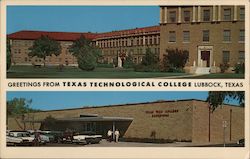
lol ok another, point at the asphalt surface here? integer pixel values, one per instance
(105, 143)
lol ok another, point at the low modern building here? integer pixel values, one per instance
(180, 120)
(214, 37)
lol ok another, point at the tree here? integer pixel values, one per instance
(8, 54)
(49, 123)
(217, 98)
(175, 59)
(43, 47)
(149, 58)
(18, 107)
(85, 53)
(128, 63)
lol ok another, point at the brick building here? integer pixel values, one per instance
(182, 120)
(213, 36)
(114, 45)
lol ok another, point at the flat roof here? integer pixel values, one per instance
(131, 104)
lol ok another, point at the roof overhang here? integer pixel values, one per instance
(88, 119)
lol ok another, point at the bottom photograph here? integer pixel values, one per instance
(125, 118)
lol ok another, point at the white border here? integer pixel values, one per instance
(124, 152)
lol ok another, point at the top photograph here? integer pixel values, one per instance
(126, 42)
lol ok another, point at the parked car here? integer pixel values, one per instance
(12, 141)
(15, 136)
(83, 138)
(49, 135)
(67, 137)
(43, 138)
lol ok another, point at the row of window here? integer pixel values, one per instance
(131, 51)
(149, 40)
(226, 56)
(206, 15)
(227, 37)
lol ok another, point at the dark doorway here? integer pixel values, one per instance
(205, 56)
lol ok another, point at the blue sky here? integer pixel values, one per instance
(50, 100)
(80, 18)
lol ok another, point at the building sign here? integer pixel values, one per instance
(161, 113)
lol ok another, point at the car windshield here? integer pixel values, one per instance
(23, 135)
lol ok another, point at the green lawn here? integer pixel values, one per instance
(219, 76)
(74, 72)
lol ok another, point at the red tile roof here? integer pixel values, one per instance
(60, 36)
(71, 36)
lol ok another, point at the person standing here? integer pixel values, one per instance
(117, 134)
(109, 134)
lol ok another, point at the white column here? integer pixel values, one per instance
(143, 41)
(235, 13)
(165, 14)
(194, 9)
(161, 14)
(199, 13)
(96, 43)
(219, 13)
(214, 13)
(179, 14)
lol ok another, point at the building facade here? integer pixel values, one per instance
(182, 120)
(213, 35)
(115, 46)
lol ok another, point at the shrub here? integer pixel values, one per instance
(150, 63)
(240, 68)
(86, 61)
(224, 67)
(150, 58)
(175, 60)
(128, 63)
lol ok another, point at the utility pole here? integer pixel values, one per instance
(224, 125)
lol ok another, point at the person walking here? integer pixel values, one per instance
(109, 134)
(117, 134)
(37, 138)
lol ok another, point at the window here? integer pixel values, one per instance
(226, 35)
(227, 14)
(242, 36)
(186, 16)
(241, 56)
(242, 13)
(206, 15)
(186, 36)
(172, 16)
(205, 35)
(172, 37)
(226, 56)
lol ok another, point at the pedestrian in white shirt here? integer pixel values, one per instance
(109, 134)
(117, 134)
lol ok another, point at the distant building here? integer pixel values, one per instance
(180, 120)
(115, 46)
(213, 36)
